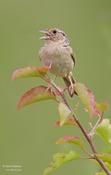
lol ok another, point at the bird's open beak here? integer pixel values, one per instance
(46, 34)
(44, 30)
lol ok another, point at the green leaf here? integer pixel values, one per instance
(69, 121)
(108, 165)
(34, 95)
(60, 159)
(69, 140)
(29, 72)
(104, 130)
(100, 173)
(106, 149)
(87, 98)
(105, 157)
(64, 113)
(102, 106)
(107, 160)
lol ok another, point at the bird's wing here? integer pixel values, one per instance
(72, 54)
(73, 58)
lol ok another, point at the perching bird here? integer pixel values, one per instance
(57, 54)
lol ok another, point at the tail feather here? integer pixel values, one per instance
(68, 84)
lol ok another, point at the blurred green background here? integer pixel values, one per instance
(27, 136)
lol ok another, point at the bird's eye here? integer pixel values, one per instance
(63, 34)
(54, 31)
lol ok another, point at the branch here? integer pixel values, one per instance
(93, 130)
(86, 135)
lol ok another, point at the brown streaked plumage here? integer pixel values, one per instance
(57, 54)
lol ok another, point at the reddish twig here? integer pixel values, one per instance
(86, 135)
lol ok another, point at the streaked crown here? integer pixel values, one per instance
(53, 34)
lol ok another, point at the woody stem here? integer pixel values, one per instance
(84, 132)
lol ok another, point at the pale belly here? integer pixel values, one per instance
(58, 59)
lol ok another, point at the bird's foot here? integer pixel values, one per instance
(54, 89)
(72, 89)
(49, 88)
(65, 89)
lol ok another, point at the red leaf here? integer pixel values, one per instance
(69, 140)
(94, 109)
(35, 94)
(69, 121)
(87, 98)
(30, 72)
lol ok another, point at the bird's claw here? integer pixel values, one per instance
(71, 89)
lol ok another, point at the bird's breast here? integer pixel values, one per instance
(58, 58)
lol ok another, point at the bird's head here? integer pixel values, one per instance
(53, 35)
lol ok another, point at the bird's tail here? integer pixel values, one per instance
(68, 82)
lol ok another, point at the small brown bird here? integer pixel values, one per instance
(58, 56)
